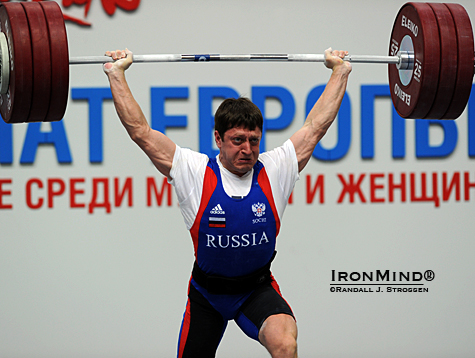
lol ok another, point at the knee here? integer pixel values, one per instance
(285, 347)
(279, 336)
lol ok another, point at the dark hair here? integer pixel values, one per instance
(237, 112)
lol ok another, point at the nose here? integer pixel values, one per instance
(246, 147)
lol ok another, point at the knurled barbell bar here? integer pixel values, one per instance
(430, 62)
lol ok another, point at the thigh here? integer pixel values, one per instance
(202, 328)
(266, 301)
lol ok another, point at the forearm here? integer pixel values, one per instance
(128, 110)
(326, 108)
(158, 147)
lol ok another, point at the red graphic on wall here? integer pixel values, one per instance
(109, 6)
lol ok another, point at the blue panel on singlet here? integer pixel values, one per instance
(236, 236)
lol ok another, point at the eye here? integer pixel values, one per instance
(237, 140)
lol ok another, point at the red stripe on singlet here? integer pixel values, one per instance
(209, 184)
(264, 183)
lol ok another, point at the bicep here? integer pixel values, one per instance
(159, 148)
(304, 141)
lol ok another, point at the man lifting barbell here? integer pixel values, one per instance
(234, 223)
(233, 205)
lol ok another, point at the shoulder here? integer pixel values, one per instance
(188, 165)
(187, 159)
(187, 175)
(283, 155)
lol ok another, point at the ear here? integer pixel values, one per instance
(217, 139)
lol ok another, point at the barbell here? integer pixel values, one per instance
(430, 63)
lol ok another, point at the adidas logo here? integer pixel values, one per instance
(217, 210)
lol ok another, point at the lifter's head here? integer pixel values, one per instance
(238, 131)
(237, 112)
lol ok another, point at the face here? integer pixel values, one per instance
(239, 149)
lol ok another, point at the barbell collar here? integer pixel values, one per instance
(406, 60)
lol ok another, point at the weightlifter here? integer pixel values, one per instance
(233, 206)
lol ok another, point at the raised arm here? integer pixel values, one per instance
(159, 148)
(325, 110)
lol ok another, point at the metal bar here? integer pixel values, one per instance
(236, 58)
(373, 59)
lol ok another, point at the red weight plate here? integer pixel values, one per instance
(15, 104)
(465, 50)
(448, 61)
(416, 24)
(59, 60)
(41, 62)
